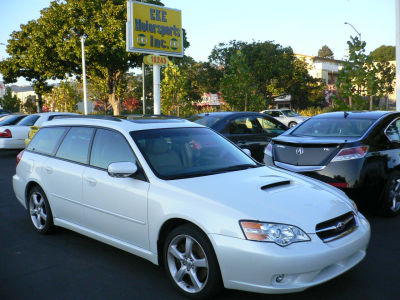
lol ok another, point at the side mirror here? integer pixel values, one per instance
(122, 169)
(247, 151)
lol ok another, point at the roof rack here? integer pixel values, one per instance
(98, 117)
(149, 116)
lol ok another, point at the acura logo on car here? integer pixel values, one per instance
(299, 151)
(340, 226)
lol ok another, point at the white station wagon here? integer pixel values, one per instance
(184, 197)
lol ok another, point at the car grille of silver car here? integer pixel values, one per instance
(336, 228)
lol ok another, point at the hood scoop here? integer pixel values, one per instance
(275, 184)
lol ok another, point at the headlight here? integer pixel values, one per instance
(280, 234)
(354, 205)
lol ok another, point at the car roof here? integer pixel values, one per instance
(227, 113)
(122, 125)
(54, 113)
(354, 115)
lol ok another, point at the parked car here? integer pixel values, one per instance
(13, 137)
(287, 116)
(180, 195)
(11, 119)
(358, 152)
(249, 130)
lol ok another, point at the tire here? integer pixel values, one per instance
(39, 211)
(190, 262)
(390, 199)
(292, 124)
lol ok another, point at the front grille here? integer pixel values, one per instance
(336, 228)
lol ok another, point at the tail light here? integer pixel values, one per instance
(351, 153)
(6, 134)
(268, 150)
(19, 157)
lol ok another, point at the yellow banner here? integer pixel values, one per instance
(154, 29)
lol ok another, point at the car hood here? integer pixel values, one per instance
(268, 194)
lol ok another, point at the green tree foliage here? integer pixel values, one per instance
(325, 52)
(64, 97)
(265, 69)
(174, 92)
(362, 78)
(10, 102)
(384, 53)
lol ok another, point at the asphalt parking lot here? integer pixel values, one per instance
(66, 265)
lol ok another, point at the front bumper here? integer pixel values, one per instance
(254, 266)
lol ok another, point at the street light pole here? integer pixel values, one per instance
(85, 103)
(359, 34)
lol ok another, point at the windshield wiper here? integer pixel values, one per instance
(213, 172)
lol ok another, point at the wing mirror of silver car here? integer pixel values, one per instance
(247, 151)
(122, 169)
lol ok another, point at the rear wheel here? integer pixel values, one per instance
(39, 211)
(292, 124)
(390, 205)
(190, 262)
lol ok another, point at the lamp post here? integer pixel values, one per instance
(83, 39)
(359, 34)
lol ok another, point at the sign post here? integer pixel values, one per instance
(154, 30)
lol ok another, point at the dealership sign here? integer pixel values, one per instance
(154, 29)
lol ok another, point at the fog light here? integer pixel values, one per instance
(279, 278)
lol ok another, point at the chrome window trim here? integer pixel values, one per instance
(294, 168)
(394, 120)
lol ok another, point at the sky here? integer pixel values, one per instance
(303, 25)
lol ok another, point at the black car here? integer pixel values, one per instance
(358, 152)
(249, 130)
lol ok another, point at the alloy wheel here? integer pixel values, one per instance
(394, 195)
(37, 208)
(187, 263)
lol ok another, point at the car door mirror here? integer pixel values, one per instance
(122, 169)
(247, 151)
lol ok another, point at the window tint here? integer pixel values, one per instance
(333, 127)
(244, 125)
(75, 145)
(29, 120)
(393, 131)
(108, 147)
(46, 140)
(269, 126)
(208, 121)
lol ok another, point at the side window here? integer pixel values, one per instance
(75, 145)
(46, 139)
(29, 120)
(275, 114)
(269, 126)
(108, 147)
(393, 131)
(244, 125)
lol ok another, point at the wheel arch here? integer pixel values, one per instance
(28, 188)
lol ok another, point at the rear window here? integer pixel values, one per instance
(10, 120)
(333, 127)
(28, 121)
(206, 121)
(46, 140)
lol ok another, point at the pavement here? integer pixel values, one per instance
(67, 265)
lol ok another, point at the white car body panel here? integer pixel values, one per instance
(129, 213)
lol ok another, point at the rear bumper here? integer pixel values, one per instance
(11, 143)
(341, 174)
(254, 266)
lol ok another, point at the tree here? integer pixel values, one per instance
(325, 52)
(361, 77)
(384, 53)
(64, 97)
(10, 102)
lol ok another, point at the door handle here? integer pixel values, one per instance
(91, 181)
(48, 169)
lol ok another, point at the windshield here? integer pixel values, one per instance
(290, 113)
(333, 127)
(176, 153)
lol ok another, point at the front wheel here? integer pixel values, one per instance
(39, 211)
(390, 205)
(292, 124)
(190, 262)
